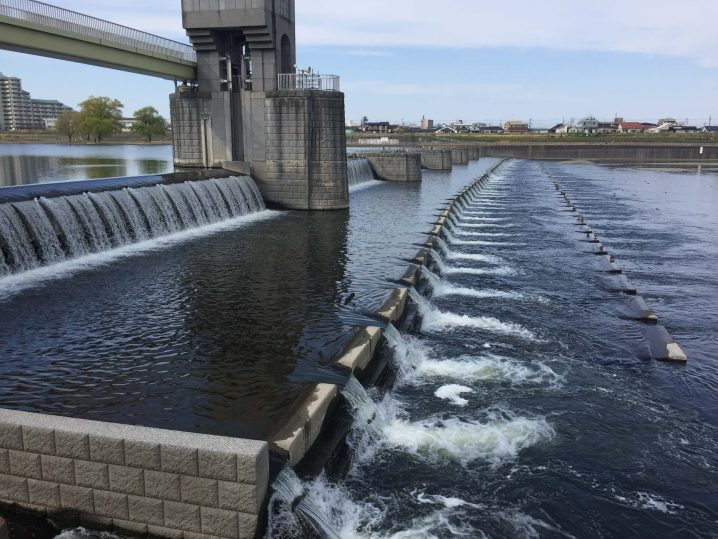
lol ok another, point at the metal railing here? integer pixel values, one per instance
(308, 81)
(57, 18)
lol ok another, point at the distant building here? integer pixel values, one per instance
(605, 128)
(19, 111)
(426, 123)
(588, 124)
(15, 110)
(631, 127)
(490, 129)
(377, 127)
(45, 112)
(710, 129)
(516, 126)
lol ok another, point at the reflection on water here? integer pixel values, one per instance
(22, 164)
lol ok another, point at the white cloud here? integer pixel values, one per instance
(685, 28)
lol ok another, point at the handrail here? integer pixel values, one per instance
(308, 81)
(84, 25)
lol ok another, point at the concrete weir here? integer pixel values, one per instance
(395, 166)
(436, 159)
(661, 346)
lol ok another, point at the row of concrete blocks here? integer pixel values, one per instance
(136, 480)
(661, 345)
(446, 158)
(300, 433)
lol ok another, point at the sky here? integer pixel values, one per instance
(545, 61)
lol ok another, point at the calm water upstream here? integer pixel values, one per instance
(525, 406)
(39, 163)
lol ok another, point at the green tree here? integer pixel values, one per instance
(67, 124)
(148, 122)
(99, 117)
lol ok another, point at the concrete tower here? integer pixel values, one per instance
(250, 111)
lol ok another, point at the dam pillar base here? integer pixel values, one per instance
(190, 113)
(436, 159)
(305, 165)
(395, 166)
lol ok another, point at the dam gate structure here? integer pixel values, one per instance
(251, 112)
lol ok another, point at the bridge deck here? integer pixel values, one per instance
(38, 28)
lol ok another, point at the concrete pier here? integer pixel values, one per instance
(395, 166)
(460, 156)
(436, 159)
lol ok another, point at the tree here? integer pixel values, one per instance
(67, 124)
(99, 117)
(365, 120)
(148, 122)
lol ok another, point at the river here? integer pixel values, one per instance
(525, 405)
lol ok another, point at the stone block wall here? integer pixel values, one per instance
(460, 156)
(395, 166)
(306, 161)
(436, 159)
(187, 111)
(135, 480)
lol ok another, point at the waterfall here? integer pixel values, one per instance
(359, 399)
(288, 488)
(435, 281)
(359, 171)
(45, 231)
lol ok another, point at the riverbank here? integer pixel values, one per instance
(43, 137)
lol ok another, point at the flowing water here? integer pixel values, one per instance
(525, 405)
(533, 411)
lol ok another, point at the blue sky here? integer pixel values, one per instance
(456, 59)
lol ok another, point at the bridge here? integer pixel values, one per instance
(37, 28)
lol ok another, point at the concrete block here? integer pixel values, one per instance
(199, 491)
(111, 504)
(220, 523)
(127, 480)
(161, 531)
(13, 488)
(129, 527)
(76, 499)
(58, 470)
(92, 474)
(107, 450)
(43, 493)
(182, 516)
(38, 440)
(181, 460)
(215, 465)
(4, 461)
(247, 525)
(240, 497)
(25, 465)
(162, 485)
(10, 436)
(72, 445)
(144, 455)
(146, 510)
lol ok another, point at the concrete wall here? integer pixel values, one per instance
(187, 111)
(604, 152)
(132, 479)
(474, 153)
(395, 166)
(436, 159)
(460, 156)
(306, 157)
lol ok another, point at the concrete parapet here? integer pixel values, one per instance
(395, 166)
(617, 153)
(474, 153)
(460, 156)
(436, 159)
(133, 479)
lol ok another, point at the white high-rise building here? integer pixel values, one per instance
(15, 105)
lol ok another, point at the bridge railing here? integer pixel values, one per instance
(308, 81)
(66, 20)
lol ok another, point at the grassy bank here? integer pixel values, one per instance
(541, 138)
(49, 137)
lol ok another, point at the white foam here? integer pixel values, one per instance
(452, 393)
(13, 284)
(499, 438)
(446, 289)
(489, 259)
(489, 367)
(439, 321)
(364, 185)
